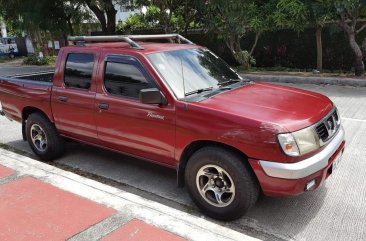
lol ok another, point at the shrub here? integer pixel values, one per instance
(4, 59)
(245, 59)
(35, 60)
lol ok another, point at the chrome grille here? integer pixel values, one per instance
(328, 126)
(321, 129)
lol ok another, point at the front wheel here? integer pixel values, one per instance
(43, 137)
(221, 183)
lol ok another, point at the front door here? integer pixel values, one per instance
(126, 124)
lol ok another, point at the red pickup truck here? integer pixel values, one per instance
(179, 105)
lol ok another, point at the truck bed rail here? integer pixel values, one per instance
(44, 76)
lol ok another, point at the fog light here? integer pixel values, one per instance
(310, 185)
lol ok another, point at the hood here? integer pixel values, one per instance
(290, 108)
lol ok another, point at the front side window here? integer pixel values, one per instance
(124, 80)
(78, 70)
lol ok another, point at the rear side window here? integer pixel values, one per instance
(124, 80)
(78, 70)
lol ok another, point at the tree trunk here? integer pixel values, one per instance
(233, 43)
(99, 14)
(111, 17)
(319, 48)
(111, 23)
(255, 43)
(359, 65)
(69, 24)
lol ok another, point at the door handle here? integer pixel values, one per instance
(62, 98)
(103, 106)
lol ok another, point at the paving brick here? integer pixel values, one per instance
(33, 210)
(137, 230)
(5, 172)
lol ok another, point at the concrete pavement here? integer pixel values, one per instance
(41, 202)
(318, 80)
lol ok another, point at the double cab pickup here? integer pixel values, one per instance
(163, 99)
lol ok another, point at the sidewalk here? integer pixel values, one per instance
(356, 82)
(42, 202)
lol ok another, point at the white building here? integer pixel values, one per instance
(123, 12)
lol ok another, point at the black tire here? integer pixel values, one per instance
(247, 189)
(55, 143)
(11, 55)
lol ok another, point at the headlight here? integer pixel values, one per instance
(299, 142)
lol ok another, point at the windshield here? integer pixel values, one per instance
(200, 68)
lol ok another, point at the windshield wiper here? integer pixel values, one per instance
(199, 91)
(232, 81)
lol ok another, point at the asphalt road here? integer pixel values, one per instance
(336, 211)
(15, 67)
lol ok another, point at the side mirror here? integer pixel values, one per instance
(152, 96)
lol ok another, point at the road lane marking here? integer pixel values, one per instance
(353, 119)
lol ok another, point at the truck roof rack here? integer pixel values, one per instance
(81, 40)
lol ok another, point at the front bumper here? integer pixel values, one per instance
(290, 178)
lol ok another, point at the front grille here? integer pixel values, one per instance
(321, 129)
(328, 127)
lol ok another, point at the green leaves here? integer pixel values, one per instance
(52, 16)
(291, 14)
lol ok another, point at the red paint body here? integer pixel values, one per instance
(247, 118)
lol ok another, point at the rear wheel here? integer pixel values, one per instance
(43, 137)
(221, 183)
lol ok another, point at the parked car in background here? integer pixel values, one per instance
(8, 47)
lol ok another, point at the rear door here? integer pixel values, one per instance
(73, 95)
(126, 124)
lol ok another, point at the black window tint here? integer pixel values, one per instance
(124, 79)
(78, 71)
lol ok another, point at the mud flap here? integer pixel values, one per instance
(180, 175)
(24, 134)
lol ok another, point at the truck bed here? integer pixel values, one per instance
(45, 76)
(19, 92)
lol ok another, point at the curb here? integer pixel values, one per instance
(170, 219)
(306, 80)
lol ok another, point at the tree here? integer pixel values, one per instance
(105, 12)
(319, 15)
(231, 19)
(170, 14)
(298, 15)
(55, 16)
(350, 13)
